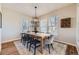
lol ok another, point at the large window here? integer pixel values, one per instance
(52, 22)
(25, 25)
(49, 26)
(43, 25)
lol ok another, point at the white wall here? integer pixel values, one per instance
(77, 28)
(0, 31)
(66, 35)
(11, 24)
(0, 39)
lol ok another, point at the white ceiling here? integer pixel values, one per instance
(28, 8)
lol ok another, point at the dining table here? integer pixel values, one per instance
(41, 37)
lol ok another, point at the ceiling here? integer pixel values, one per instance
(28, 8)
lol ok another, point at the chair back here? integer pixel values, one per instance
(24, 36)
(51, 39)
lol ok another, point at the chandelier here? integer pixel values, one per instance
(35, 21)
(35, 18)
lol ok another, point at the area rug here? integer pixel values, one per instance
(59, 49)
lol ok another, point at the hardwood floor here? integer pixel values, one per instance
(10, 49)
(71, 50)
(0, 53)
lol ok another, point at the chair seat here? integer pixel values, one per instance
(35, 42)
(49, 40)
(37, 45)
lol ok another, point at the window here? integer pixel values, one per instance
(43, 25)
(25, 25)
(52, 22)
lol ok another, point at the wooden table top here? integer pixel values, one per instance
(40, 35)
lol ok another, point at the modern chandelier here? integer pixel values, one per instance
(35, 18)
(35, 22)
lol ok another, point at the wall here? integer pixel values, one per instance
(0, 39)
(0, 30)
(66, 35)
(11, 24)
(77, 28)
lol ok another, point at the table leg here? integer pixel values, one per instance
(42, 45)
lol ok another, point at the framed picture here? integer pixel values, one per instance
(66, 23)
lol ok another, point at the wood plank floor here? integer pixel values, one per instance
(71, 50)
(10, 49)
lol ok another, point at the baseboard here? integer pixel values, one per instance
(66, 43)
(10, 40)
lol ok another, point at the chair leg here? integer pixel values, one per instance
(24, 43)
(35, 50)
(27, 44)
(49, 48)
(52, 46)
(30, 47)
(21, 40)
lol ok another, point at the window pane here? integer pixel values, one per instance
(43, 25)
(51, 21)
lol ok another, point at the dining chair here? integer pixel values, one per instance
(28, 40)
(49, 42)
(25, 39)
(34, 43)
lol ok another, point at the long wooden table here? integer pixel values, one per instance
(42, 37)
